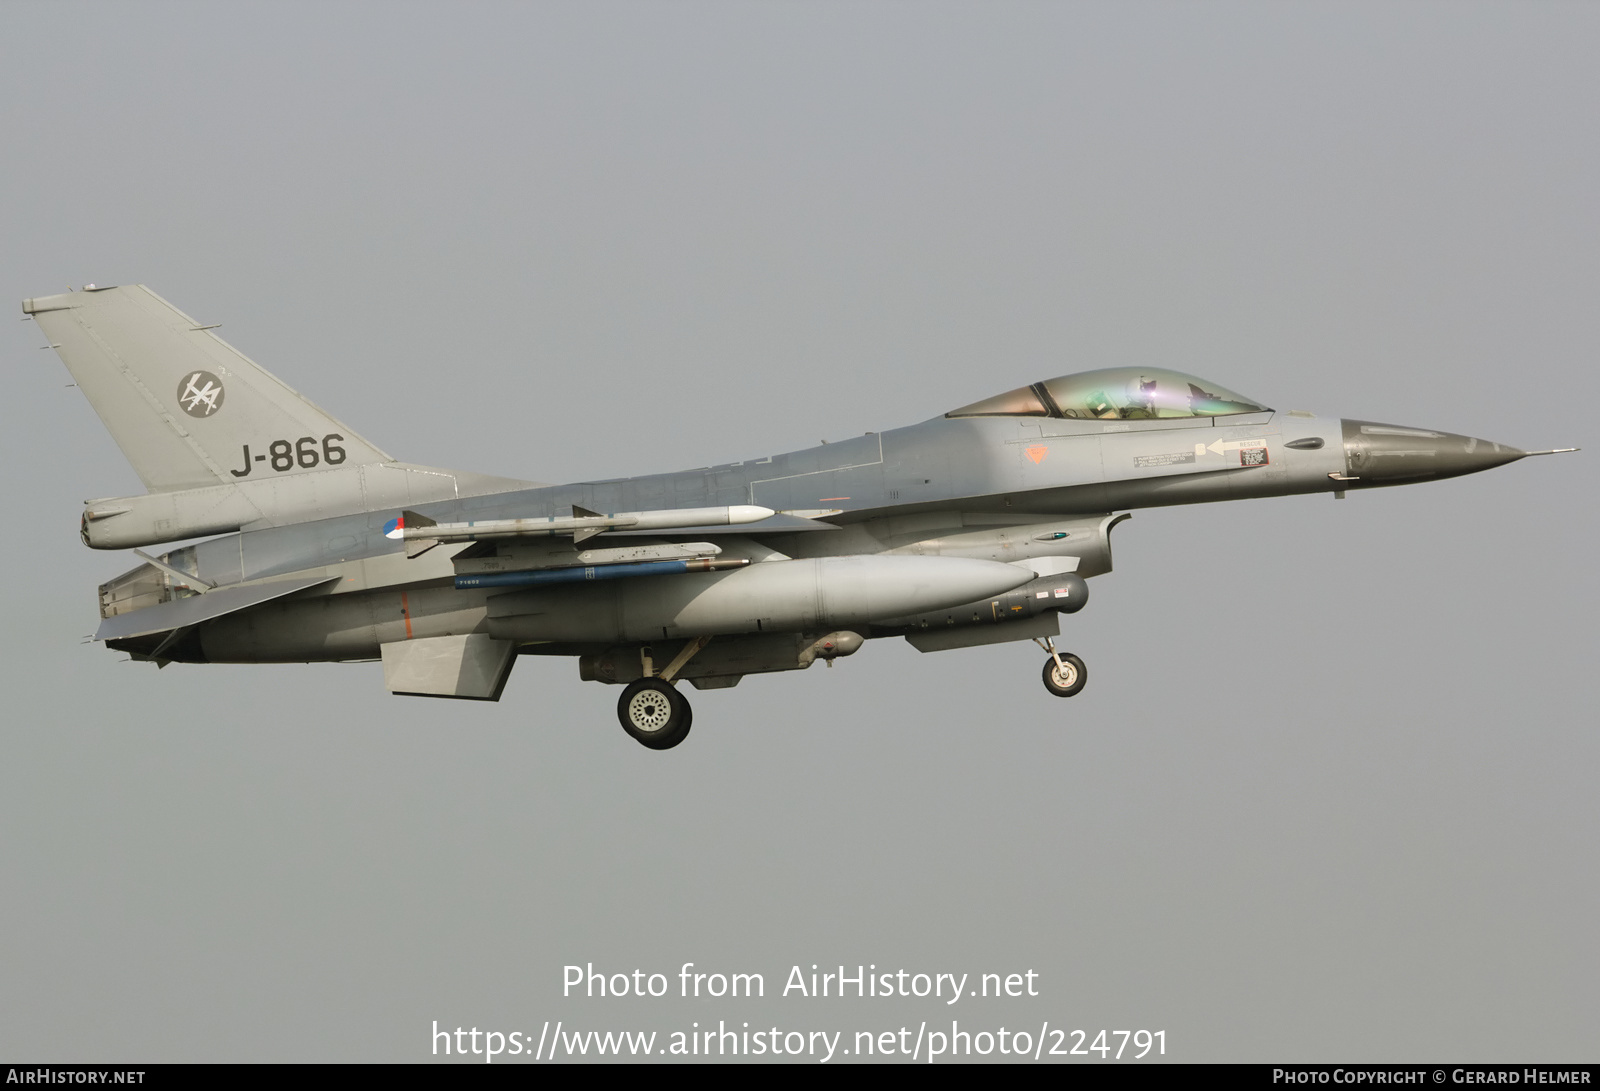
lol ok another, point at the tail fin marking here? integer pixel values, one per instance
(184, 406)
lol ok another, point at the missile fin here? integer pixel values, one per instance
(416, 547)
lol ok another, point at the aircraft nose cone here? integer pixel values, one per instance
(1393, 454)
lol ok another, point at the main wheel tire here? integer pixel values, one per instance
(1068, 678)
(654, 713)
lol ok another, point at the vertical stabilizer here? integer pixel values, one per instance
(185, 407)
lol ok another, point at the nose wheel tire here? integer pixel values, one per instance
(654, 713)
(1067, 677)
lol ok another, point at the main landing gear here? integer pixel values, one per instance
(655, 713)
(1064, 673)
(651, 709)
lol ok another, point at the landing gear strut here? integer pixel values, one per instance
(1064, 673)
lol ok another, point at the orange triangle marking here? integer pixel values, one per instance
(1037, 453)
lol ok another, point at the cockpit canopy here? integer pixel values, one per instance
(1115, 393)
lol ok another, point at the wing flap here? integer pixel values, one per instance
(197, 608)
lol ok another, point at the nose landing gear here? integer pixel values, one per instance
(1064, 673)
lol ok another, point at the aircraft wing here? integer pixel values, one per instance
(181, 613)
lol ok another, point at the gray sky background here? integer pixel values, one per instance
(1330, 792)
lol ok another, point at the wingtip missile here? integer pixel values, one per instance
(748, 513)
(416, 529)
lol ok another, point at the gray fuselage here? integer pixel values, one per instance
(885, 492)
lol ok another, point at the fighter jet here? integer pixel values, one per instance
(978, 526)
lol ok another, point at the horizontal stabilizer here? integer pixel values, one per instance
(197, 608)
